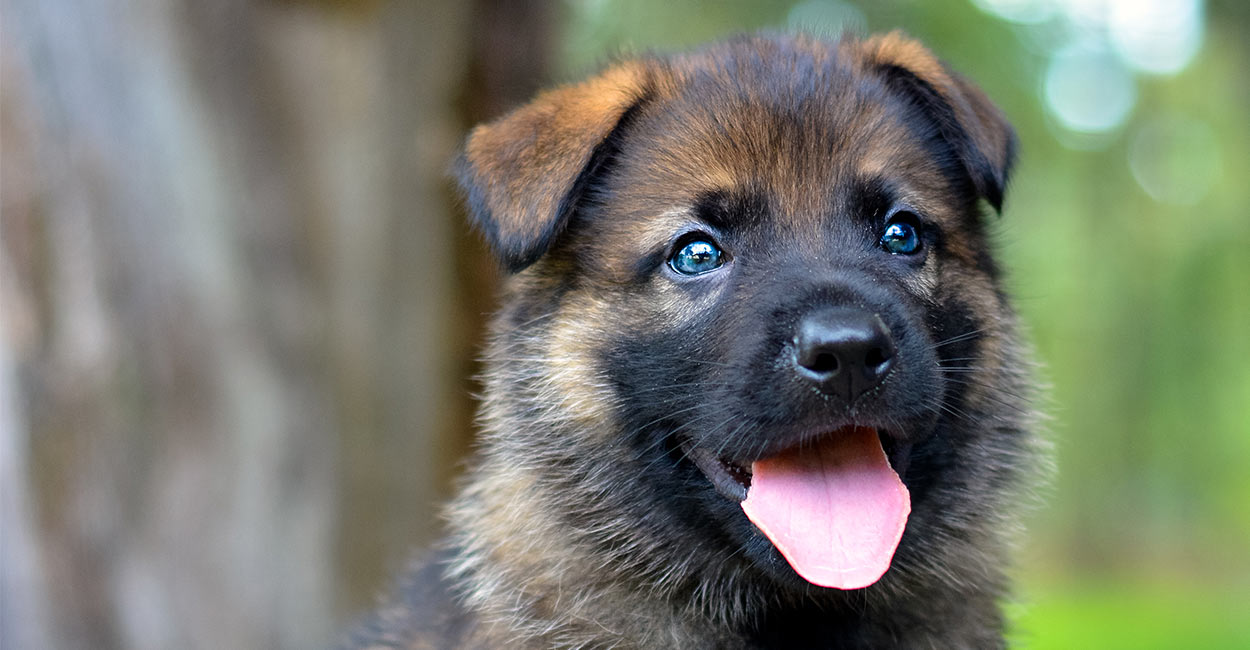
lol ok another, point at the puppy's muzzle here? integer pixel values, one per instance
(844, 351)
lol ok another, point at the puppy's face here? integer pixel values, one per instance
(747, 277)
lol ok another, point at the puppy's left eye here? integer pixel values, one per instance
(696, 257)
(902, 235)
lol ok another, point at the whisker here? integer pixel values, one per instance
(1018, 408)
(664, 437)
(691, 384)
(953, 411)
(720, 451)
(669, 434)
(542, 316)
(706, 362)
(960, 337)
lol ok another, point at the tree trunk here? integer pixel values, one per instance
(232, 343)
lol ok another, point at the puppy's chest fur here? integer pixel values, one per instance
(722, 260)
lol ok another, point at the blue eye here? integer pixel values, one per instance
(901, 238)
(697, 256)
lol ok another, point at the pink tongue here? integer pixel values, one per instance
(836, 511)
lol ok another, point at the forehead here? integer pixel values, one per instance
(798, 126)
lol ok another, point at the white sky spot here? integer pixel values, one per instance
(1088, 90)
(1176, 159)
(1156, 36)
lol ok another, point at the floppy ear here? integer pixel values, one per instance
(968, 120)
(524, 173)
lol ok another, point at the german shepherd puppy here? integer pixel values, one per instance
(755, 382)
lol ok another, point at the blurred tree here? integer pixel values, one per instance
(229, 257)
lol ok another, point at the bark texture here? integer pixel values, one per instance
(233, 349)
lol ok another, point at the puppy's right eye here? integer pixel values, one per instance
(902, 236)
(696, 257)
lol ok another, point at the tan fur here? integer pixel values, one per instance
(528, 159)
(991, 134)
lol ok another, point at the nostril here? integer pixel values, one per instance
(876, 358)
(823, 363)
(845, 351)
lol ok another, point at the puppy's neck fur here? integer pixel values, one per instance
(528, 581)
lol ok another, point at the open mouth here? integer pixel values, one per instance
(834, 507)
(732, 479)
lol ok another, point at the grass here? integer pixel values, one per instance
(1131, 616)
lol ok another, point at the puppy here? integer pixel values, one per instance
(755, 382)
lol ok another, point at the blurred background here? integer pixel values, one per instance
(239, 309)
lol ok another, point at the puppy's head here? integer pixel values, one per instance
(753, 307)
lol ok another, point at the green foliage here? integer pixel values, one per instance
(1127, 615)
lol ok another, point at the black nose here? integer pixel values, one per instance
(845, 351)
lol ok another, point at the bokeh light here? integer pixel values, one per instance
(1088, 89)
(1094, 48)
(1159, 36)
(1176, 159)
